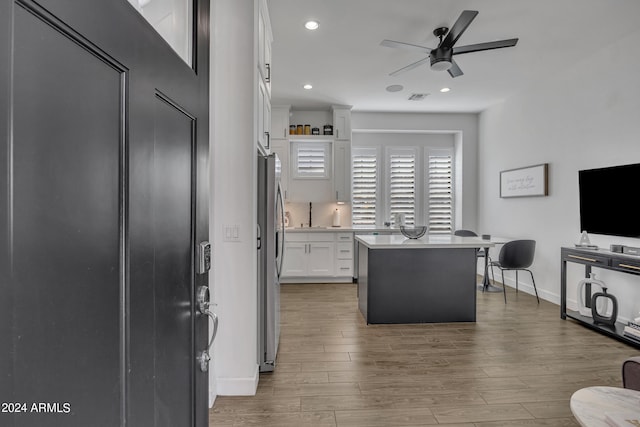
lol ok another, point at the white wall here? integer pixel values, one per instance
(463, 127)
(576, 117)
(233, 278)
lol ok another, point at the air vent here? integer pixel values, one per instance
(418, 96)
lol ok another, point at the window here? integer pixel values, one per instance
(440, 186)
(401, 184)
(418, 182)
(311, 159)
(173, 20)
(365, 182)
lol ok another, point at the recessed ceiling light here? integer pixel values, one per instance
(445, 89)
(307, 86)
(394, 88)
(311, 25)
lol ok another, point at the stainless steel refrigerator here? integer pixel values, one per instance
(270, 257)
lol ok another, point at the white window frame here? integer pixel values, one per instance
(325, 146)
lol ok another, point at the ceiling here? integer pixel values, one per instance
(345, 63)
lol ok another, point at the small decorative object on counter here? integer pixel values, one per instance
(327, 130)
(336, 218)
(602, 318)
(307, 129)
(315, 131)
(413, 232)
(292, 129)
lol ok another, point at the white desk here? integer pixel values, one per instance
(590, 406)
(486, 285)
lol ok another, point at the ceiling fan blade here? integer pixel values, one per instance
(458, 28)
(407, 46)
(454, 70)
(484, 46)
(410, 66)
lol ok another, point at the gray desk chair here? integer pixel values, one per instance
(515, 255)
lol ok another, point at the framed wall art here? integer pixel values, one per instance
(529, 181)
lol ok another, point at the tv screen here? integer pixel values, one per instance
(609, 200)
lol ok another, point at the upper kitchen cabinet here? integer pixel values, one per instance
(318, 159)
(264, 41)
(262, 104)
(263, 108)
(280, 122)
(342, 171)
(342, 123)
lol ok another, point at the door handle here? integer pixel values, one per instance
(204, 301)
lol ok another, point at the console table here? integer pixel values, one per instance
(601, 259)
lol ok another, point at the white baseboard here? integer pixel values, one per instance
(528, 288)
(239, 386)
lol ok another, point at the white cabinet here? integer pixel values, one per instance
(264, 117)
(335, 185)
(320, 259)
(281, 148)
(263, 40)
(342, 170)
(318, 256)
(279, 122)
(344, 255)
(280, 143)
(342, 123)
(309, 255)
(295, 259)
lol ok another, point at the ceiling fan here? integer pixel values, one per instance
(441, 57)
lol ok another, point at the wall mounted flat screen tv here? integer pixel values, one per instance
(609, 200)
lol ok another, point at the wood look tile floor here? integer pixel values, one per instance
(517, 365)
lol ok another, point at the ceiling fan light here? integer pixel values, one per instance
(442, 65)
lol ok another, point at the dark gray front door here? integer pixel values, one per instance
(103, 197)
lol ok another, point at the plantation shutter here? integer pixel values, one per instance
(402, 185)
(311, 160)
(440, 187)
(365, 178)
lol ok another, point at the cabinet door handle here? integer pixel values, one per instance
(268, 78)
(632, 267)
(583, 258)
(268, 140)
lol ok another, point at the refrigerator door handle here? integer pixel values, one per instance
(280, 200)
(259, 237)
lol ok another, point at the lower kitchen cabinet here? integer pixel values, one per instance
(317, 257)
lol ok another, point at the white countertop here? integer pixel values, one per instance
(398, 241)
(351, 229)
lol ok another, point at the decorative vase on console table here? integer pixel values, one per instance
(584, 299)
(602, 318)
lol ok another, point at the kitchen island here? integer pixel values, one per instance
(426, 280)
